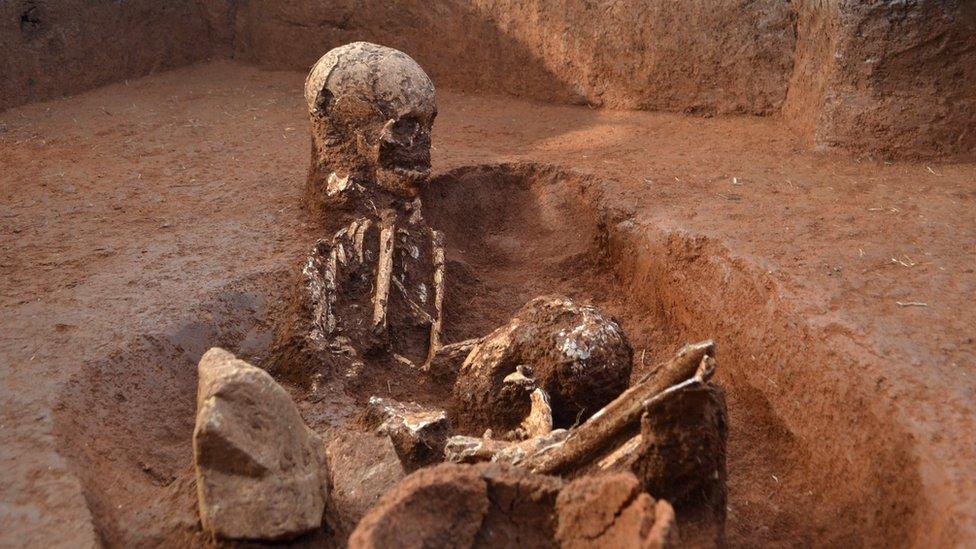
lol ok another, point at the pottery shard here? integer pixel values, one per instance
(259, 468)
(578, 356)
(418, 433)
(612, 511)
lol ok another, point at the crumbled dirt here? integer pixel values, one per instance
(611, 511)
(451, 505)
(143, 223)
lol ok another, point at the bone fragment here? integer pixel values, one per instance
(384, 269)
(518, 452)
(418, 432)
(404, 360)
(359, 234)
(461, 449)
(539, 421)
(621, 455)
(417, 309)
(625, 411)
(437, 253)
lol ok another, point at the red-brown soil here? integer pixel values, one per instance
(144, 222)
(893, 79)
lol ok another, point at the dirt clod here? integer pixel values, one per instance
(362, 467)
(683, 452)
(418, 433)
(612, 511)
(493, 505)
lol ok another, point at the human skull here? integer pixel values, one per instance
(372, 109)
(578, 356)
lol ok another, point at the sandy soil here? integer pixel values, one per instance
(123, 207)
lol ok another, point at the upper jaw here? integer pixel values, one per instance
(402, 181)
(403, 167)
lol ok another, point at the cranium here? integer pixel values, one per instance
(579, 357)
(372, 109)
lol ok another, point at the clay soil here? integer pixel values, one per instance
(145, 221)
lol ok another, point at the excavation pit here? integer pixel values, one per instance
(514, 232)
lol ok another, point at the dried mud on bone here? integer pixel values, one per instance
(544, 394)
(580, 358)
(371, 110)
(418, 433)
(373, 291)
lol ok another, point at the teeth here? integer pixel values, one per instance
(409, 172)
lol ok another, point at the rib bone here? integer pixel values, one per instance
(384, 269)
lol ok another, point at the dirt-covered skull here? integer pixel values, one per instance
(372, 109)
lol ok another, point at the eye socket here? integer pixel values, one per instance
(324, 101)
(404, 128)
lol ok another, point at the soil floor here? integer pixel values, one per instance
(121, 208)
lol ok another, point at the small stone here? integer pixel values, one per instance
(418, 433)
(259, 469)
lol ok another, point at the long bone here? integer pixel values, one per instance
(437, 241)
(693, 364)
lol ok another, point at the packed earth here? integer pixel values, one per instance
(382, 290)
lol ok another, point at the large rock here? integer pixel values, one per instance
(259, 468)
(578, 356)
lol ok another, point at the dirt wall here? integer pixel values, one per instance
(891, 78)
(702, 55)
(59, 47)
